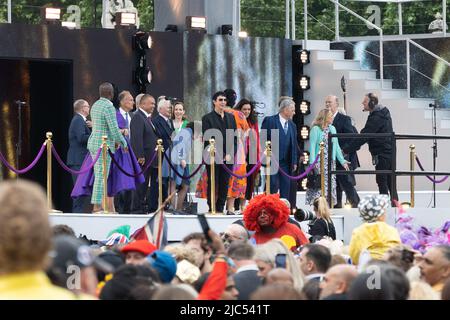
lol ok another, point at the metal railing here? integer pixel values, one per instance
(408, 65)
(393, 171)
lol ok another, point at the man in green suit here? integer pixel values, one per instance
(104, 123)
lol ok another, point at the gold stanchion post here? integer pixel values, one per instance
(160, 149)
(322, 169)
(49, 143)
(105, 173)
(212, 154)
(268, 155)
(412, 159)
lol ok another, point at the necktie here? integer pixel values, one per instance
(285, 127)
(126, 119)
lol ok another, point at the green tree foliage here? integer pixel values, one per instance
(263, 18)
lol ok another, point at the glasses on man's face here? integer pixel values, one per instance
(222, 99)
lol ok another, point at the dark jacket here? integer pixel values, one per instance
(79, 134)
(379, 121)
(288, 147)
(143, 136)
(343, 124)
(320, 228)
(246, 283)
(213, 120)
(164, 130)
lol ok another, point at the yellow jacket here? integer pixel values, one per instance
(376, 237)
(31, 286)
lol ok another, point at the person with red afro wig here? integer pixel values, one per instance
(268, 216)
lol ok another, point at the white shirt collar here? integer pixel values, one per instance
(250, 267)
(166, 119)
(282, 120)
(84, 118)
(314, 275)
(146, 114)
(335, 114)
(123, 113)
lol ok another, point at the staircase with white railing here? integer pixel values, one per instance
(410, 115)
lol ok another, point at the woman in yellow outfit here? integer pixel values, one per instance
(374, 235)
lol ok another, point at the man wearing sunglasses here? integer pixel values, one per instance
(215, 125)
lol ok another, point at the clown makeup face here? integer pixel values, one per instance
(264, 218)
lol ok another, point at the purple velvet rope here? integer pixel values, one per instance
(147, 165)
(428, 177)
(180, 175)
(303, 175)
(248, 174)
(25, 170)
(83, 170)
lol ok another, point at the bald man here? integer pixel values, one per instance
(346, 183)
(337, 281)
(280, 276)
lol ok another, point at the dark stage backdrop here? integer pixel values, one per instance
(259, 69)
(49, 67)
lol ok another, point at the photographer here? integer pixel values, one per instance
(322, 225)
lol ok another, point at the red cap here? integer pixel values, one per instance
(142, 246)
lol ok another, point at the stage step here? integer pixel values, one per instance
(362, 74)
(394, 94)
(318, 45)
(371, 84)
(330, 54)
(440, 113)
(346, 64)
(445, 123)
(419, 103)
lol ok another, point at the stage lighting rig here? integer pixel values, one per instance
(304, 56)
(197, 24)
(125, 20)
(143, 76)
(142, 41)
(305, 107)
(305, 82)
(51, 15)
(304, 133)
(305, 158)
(226, 29)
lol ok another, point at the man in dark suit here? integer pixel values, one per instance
(246, 277)
(79, 132)
(143, 141)
(164, 128)
(285, 148)
(215, 125)
(343, 124)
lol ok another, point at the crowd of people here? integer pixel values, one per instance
(262, 257)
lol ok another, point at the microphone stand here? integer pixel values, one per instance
(434, 120)
(19, 141)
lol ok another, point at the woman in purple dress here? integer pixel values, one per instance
(117, 180)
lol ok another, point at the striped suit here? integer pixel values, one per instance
(104, 123)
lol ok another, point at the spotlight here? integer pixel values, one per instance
(304, 132)
(305, 158)
(304, 82)
(226, 29)
(304, 184)
(243, 34)
(305, 107)
(304, 56)
(125, 19)
(143, 76)
(171, 28)
(196, 24)
(51, 15)
(142, 41)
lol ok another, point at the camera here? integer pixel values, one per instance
(304, 215)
